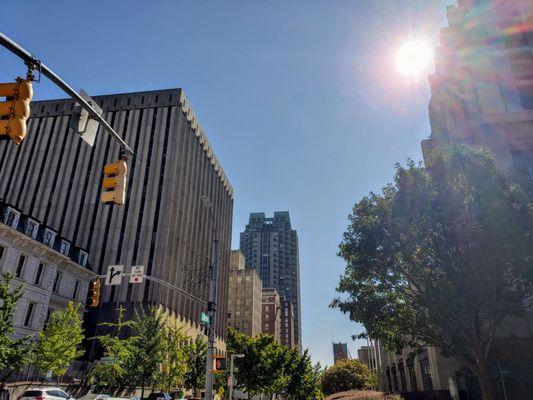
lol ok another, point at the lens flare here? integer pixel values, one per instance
(413, 57)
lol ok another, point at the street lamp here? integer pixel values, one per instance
(231, 358)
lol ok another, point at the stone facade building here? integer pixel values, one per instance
(482, 90)
(287, 324)
(244, 297)
(39, 262)
(481, 94)
(271, 313)
(178, 198)
(270, 246)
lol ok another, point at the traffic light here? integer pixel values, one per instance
(94, 292)
(15, 110)
(219, 364)
(114, 184)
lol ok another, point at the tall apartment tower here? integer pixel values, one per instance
(482, 90)
(164, 224)
(244, 297)
(270, 246)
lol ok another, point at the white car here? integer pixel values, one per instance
(46, 393)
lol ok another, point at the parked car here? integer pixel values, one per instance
(95, 396)
(45, 393)
(159, 396)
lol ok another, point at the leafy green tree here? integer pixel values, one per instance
(13, 352)
(60, 342)
(304, 378)
(440, 257)
(148, 346)
(348, 375)
(262, 370)
(118, 350)
(173, 366)
(196, 359)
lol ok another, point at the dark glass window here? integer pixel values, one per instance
(39, 274)
(29, 314)
(20, 266)
(57, 279)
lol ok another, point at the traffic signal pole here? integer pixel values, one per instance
(33, 63)
(211, 309)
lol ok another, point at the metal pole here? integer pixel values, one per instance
(33, 62)
(212, 325)
(232, 357)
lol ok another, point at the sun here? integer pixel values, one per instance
(413, 57)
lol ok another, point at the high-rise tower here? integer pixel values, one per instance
(270, 246)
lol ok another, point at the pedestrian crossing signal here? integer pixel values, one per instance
(219, 364)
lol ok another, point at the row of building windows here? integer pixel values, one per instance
(31, 228)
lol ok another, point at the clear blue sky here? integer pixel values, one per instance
(300, 100)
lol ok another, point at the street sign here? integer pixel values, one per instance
(204, 318)
(137, 273)
(83, 123)
(114, 275)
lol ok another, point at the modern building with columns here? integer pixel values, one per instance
(178, 199)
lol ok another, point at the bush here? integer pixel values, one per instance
(348, 375)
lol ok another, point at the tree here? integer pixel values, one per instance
(348, 375)
(196, 360)
(13, 352)
(262, 369)
(440, 257)
(118, 350)
(173, 366)
(60, 342)
(148, 346)
(304, 378)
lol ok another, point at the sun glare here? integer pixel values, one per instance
(413, 57)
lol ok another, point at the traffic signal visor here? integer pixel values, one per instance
(16, 109)
(114, 183)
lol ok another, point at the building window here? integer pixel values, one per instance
(48, 314)
(31, 228)
(76, 288)
(82, 258)
(39, 274)
(64, 248)
(49, 237)
(20, 266)
(2, 249)
(426, 375)
(412, 377)
(11, 217)
(57, 280)
(29, 314)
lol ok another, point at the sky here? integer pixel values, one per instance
(300, 100)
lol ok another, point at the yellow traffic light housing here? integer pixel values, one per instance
(16, 109)
(114, 183)
(219, 364)
(94, 293)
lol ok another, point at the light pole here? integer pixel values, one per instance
(211, 306)
(231, 358)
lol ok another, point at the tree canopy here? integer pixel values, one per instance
(440, 257)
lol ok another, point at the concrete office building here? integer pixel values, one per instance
(164, 225)
(244, 297)
(482, 90)
(37, 258)
(287, 323)
(271, 313)
(367, 354)
(270, 246)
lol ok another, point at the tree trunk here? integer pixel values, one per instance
(482, 374)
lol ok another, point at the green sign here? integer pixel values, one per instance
(204, 317)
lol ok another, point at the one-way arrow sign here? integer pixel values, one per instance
(114, 275)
